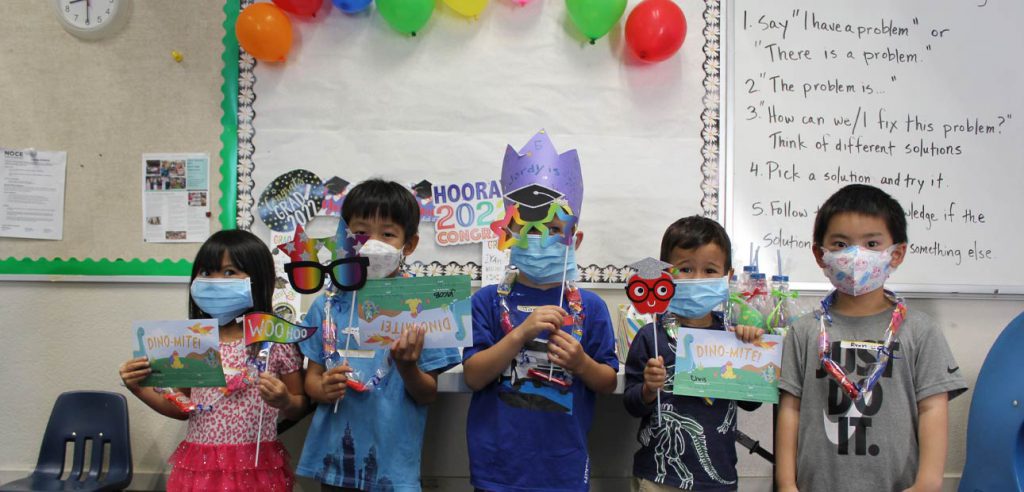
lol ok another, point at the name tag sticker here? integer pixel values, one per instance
(850, 344)
(526, 309)
(360, 354)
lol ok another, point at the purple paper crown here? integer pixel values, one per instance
(539, 163)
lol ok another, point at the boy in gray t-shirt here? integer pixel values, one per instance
(853, 435)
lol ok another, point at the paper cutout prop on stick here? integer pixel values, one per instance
(267, 327)
(306, 272)
(539, 185)
(650, 290)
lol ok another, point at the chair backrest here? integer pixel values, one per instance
(995, 426)
(97, 420)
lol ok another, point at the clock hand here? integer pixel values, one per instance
(74, 1)
(86, 12)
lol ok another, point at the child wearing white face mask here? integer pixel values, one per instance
(883, 399)
(371, 439)
(233, 273)
(699, 253)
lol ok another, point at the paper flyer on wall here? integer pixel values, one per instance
(175, 198)
(32, 201)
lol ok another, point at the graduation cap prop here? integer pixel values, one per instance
(423, 189)
(650, 290)
(336, 185)
(539, 185)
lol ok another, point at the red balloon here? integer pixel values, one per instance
(655, 30)
(307, 8)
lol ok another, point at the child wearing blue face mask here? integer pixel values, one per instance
(699, 251)
(866, 384)
(541, 347)
(233, 273)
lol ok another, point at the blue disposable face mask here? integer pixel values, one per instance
(222, 298)
(695, 298)
(544, 264)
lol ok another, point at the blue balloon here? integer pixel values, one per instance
(352, 6)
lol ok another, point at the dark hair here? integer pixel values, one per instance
(247, 253)
(693, 232)
(864, 200)
(386, 200)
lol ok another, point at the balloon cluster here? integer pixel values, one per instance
(655, 29)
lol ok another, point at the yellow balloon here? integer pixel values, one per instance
(467, 8)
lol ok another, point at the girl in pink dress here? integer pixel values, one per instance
(233, 274)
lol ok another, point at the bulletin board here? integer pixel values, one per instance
(106, 103)
(356, 99)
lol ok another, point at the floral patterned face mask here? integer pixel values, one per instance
(855, 270)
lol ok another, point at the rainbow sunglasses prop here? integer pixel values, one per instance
(306, 272)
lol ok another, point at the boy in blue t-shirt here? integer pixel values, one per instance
(373, 440)
(541, 347)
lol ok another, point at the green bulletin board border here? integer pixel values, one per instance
(228, 189)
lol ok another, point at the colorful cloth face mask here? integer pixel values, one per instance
(695, 298)
(855, 270)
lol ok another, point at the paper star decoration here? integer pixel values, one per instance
(301, 247)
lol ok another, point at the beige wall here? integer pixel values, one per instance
(67, 336)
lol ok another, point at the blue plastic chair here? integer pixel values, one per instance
(77, 417)
(995, 427)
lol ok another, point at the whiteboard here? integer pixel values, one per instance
(920, 98)
(357, 100)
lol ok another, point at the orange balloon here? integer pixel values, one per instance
(265, 32)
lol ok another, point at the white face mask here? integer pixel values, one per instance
(384, 258)
(855, 270)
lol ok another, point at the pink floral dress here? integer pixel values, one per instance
(219, 450)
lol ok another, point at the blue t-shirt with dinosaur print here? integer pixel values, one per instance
(694, 448)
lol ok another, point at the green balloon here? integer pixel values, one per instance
(595, 17)
(406, 16)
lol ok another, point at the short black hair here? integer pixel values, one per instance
(864, 200)
(249, 254)
(693, 232)
(386, 200)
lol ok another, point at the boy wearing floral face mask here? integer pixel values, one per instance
(541, 347)
(370, 439)
(866, 383)
(699, 253)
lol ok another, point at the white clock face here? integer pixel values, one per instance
(88, 18)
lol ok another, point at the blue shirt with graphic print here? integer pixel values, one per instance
(527, 430)
(374, 440)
